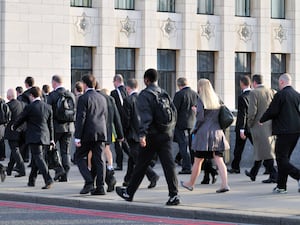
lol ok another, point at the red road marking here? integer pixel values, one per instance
(106, 214)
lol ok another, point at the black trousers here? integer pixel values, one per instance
(160, 144)
(284, 147)
(182, 138)
(269, 164)
(15, 158)
(119, 148)
(238, 149)
(98, 162)
(64, 140)
(132, 161)
(38, 164)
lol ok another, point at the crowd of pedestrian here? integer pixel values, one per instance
(51, 129)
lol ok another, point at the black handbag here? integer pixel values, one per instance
(225, 117)
(52, 158)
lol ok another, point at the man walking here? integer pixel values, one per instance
(285, 115)
(91, 135)
(39, 132)
(263, 141)
(62, 129)
(184, 100)
(152, 140)
(241, 127)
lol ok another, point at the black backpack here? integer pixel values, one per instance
(165, 113)
(65, 107)
(5, 114)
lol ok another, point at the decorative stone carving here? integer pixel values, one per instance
(84, 24)
(245, 32)
(168, 28)
(280, 33)
(208, 30)
(128, 26)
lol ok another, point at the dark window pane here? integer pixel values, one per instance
(205, 66)
(166, 64)
(242, 7)
(124, 4)
(278, 9)
(166, 5)
(205, 7)
(278, 67)
(125, 62)
(81, 3)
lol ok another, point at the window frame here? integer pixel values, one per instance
(207, 10)
(126, 72)
(75, 3)
(131, 2)
(170, 6)
(282, 69)
(210, 72)
(282, 3)
(246, 9)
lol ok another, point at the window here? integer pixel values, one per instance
(242, 68)
(205, 7)
(166, 5)
(206, 66)
(81, 3)
(278, 67)
(242, 7)
(278, 9)
(124, 4)
(125, 62)
(81, 63)
(166, 65)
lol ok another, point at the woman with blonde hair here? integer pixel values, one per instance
(209, 139)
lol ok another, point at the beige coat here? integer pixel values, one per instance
(263, 141)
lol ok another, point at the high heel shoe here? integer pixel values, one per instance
(205, 179)
(214, 176)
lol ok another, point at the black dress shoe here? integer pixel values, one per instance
(98, 191)
(247, 173)
(118, 168)
(30, 184)
(122, 192)
(233, 171)
(48, 185)
(269, 181)
(153, 182)
(58, 175)
(111, 185)
(184, 171)
(20, 175)
(87, 188)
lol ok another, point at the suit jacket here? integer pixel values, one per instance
(183, 101)
(16, 107)
(115, 95)
(24, 97)
(284, 112)
(263, 141)
(52, 100)
(113, 123)
(39, 118)
(242, 113)
(132, 118)
(91, 116)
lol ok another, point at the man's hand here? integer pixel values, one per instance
(143, 142)
(52, 143)
(77, 143)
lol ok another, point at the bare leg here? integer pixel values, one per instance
(222, 170)
(108, 156)
(195, 172)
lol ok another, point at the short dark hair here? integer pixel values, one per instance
(35, 91)
(182, 81)
(245, 80)
(89, 80)
(257, 78)
(46, 88)
(132, 83)
(19, 89)
(151, 75)
(57, 79)
(78, 86)
(29, 81)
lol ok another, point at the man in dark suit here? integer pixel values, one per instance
(184, 100)
(152, 141)
(91, 134)
(119, 93)
(16, 108)
(241, 128)
(39, 132)
(131, 130)
(284, 111)
(62, 130)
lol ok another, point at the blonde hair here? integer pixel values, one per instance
(207, 94)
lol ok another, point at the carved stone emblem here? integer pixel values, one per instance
(128, 26)
(280, 33)
(208, 30)
(83, 24)
(168, 28)
(245, 32)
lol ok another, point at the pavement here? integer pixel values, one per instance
(247, 202)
